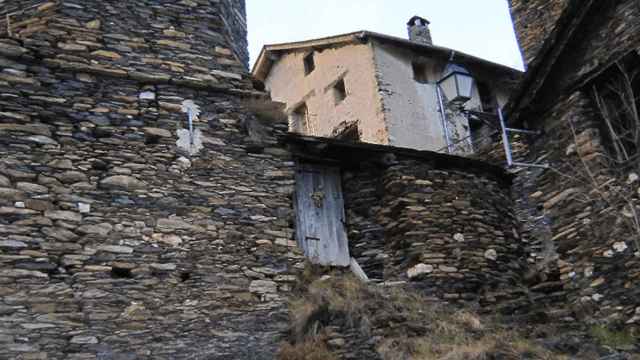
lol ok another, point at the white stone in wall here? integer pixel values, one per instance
(636, 317)
(184, 141)
(84, 208)
(418, 270)
(263, 287)
(620, 246)
(491, 254)
(183, 163)
(147, 95)
(588, 272)
(84, 340)
(458, 237)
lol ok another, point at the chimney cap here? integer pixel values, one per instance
(412, 21)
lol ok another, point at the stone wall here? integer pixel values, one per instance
(234, 15)
(534, 21)
(113, 243)
(363, 201)
(576, 60)
(593, 49)
(149, 41)
(450, 231)
(582, 249)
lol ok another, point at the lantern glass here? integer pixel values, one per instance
(457, 84)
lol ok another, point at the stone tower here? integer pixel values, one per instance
(114, 244)
(534, 21)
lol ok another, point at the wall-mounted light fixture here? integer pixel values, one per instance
(456, 84)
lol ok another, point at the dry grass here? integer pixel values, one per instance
(411, 327)
(310, 349)
(613, 338)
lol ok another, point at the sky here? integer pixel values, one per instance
(478, 27)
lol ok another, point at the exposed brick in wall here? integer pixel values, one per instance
(113, 244)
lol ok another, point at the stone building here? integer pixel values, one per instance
(114, 242)
(381, 89)
(129, 232)
(442, 224)
(580, 92)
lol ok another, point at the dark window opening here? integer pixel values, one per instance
(309, 64)
(339, 91)
(185, 276)
(616, 97)
(420, 72)
(299, 120)
(484, 130)
(347, 131)
(151, 139)
(121, 273)
(487, 99)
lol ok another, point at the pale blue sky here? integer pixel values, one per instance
(478, 27)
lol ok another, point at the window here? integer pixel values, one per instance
(347, 131)
(309, 64)
(299, 120)
(339, 91)
(616, 98)
(420, 72)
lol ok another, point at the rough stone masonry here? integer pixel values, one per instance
(113, 244)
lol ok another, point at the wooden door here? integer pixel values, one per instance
(320, 216)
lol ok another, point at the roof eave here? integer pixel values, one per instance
(257, 70)
(263, 64)
(443, 50)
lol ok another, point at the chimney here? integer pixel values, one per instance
(419, 30)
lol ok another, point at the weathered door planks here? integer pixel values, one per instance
(320, 215)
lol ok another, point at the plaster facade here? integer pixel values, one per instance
(354, 65)
(410, 107)
(389, 101)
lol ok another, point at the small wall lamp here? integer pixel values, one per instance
(456, 84)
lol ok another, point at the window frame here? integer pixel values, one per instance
(419, 70)
(340, 93)
(300, 119)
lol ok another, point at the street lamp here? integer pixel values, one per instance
(456, 84)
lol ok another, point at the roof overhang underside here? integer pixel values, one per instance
(347, 154)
